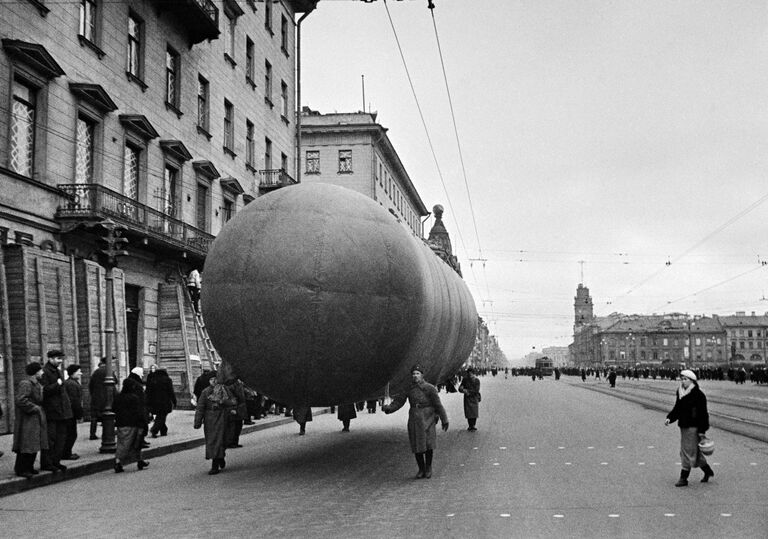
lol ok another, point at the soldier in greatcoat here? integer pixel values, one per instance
(470, 387)
(30, 430)
(425, 410)
(213, 408)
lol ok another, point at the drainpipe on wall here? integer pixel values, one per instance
(298, 91)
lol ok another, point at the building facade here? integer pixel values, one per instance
(672, 340)
(162, 118)
(351, 150)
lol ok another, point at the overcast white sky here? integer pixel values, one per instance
(624, 134)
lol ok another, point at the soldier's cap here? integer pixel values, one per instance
(55, 353)
(417, 367)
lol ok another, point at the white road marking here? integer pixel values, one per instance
(558, 516)
(603, 464)
(650, 447)
(567, 463)
(669, 514)
(614, 515)
(451, 514)
(590, 447)
(561, 447)
(502, 448)
(619, 447)
(641, 463)
(753, 463)
(726, 514)
(531, 464)
(532, 447)
(505, 515)
(495, 463)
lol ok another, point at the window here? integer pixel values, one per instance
(345, 161)
(85, 139)
(229, 126)
(172, 70)
(267, 154)
(227, 211)
(228, 37)
(284, 34)
(202, 206)
(313, 162)
(88, 20)
(170, 191)
(749, 333)
(268, 16)
(22, 128)
(249, 61)
(284, 100)
(202, 103)
(283, 162)
(135, 51)
(131, 171)
(250, 148)
(268, 82)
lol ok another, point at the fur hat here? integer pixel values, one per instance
(688, 374)
(417, 367)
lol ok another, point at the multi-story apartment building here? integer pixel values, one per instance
(353, 151)
(671, 339)
(747, 336)
(165, 118)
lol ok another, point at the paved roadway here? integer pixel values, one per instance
(551, 459)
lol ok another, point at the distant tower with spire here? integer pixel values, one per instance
(440, 241)
(582, 308)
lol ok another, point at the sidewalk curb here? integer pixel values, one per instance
(20, 484)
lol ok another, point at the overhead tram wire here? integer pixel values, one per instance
(726, 224)
(431, 7)
(426, 131)
(728, 280)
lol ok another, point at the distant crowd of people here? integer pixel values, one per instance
(739, 375)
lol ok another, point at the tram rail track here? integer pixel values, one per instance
(725, 414)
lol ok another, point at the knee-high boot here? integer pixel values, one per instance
(683, 481)
(428, 464)
(420, 462)
(707, 473)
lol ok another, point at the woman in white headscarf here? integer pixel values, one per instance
(690, 412)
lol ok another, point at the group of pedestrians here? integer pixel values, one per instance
(48, 408)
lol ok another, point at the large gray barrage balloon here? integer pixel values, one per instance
(315, 295)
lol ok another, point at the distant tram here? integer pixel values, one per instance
(544, 366)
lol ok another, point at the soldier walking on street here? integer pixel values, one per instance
(425, 410)
(470, 387)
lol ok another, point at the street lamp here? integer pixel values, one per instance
(114, 245)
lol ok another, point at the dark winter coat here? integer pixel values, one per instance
(75, 393)
(128, 406)
(691, 411)
(470, 386)
(30, 431)
(98, 391)
(425, 410)
(161, 398)
(346, 412)
(211, 412)
(55, 397)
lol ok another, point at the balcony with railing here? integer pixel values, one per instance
(272, 179)
(199, 18)
(88, 203)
